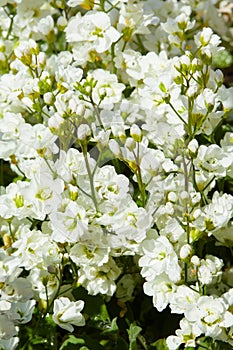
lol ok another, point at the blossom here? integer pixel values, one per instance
(21, 312)
(187, 335)
(69, 223)
(93, 30)
(210, 315)
(67, 313)
(35, 248)
(88, 253)
(209, 270)
(161, 289)
(159, 257)
(44, 284)
(107, 90)
(99, 279)
(7, 327)
(115, 132)
(207, 40)
(9, 344)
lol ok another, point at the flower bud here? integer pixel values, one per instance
(193, 147)
(195, 260)
(61, 23)
(115, 148)
(185, 251)
(136, 133)
(172, 197)
(130, 144)
(49, 98)
(84, 132)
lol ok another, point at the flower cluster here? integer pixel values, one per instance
(116, 127)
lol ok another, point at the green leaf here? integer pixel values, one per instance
(72, 340)
(159, 345)
(113, 327)
(162, 87)
(133, 332)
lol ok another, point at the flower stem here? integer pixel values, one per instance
(90, 175)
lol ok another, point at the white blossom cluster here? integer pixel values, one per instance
(86, 88)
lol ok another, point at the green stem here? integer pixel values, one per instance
(11, 233)
(178, 115)
(84, 150)
(96, 110)
(139, 177)
(11, 23)
(142, 341)
(186, 272)
(1, 173)
(190, 109)
(186, 188)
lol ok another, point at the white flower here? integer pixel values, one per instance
(210, 315)
(46, 25)
(159, 257)
(179, 24)
(17, 290)
(219, 212)
(193, 146)
(99, 279)
(185, 335)
(21, 312)
(185, 251)
(183, 298)
(35, 248)
(88, 253)
(93, 28)
(210, 159)
(209, 270)
(9, 344)
(161, 289)
(83, 132)
(206, 37)
(133, 20)
(67, 313)
(107, 90)
(44, 284)
(7, 328)
(109, 185)
(69, 223)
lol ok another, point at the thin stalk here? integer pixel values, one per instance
(96, 110)
(139, 177)
(178, 115)
(186, 272)
(186, 187)
(141, 340)
(1, 173)
(90, 175)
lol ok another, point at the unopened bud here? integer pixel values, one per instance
(195, 260)
(185, 251)
(193, 147)
(61, 23)
(136, 133)
(49, 98)
(115, 148)
(84, 132)
(130, 144)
